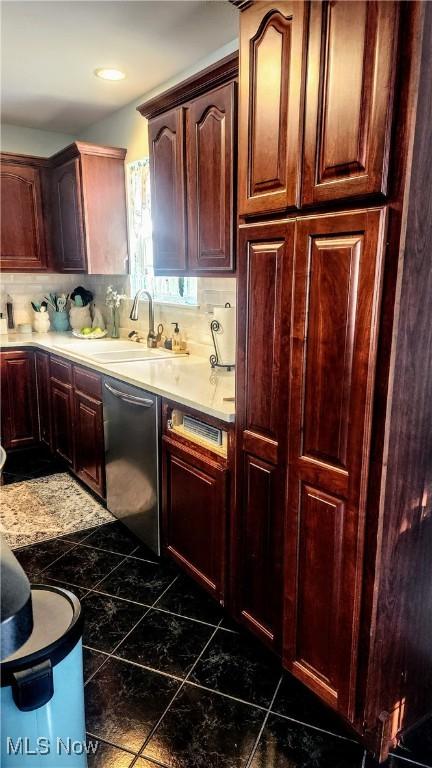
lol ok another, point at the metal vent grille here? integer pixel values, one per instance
(196, 427)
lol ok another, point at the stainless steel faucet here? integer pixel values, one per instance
(151, 336)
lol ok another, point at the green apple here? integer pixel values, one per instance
(97, 330)
(85, 331)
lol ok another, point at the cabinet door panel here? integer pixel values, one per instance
(68, 222)
(271, 62)
(263, 327)
(62, 426)
(194, 533)
(166, 138)
(349, 98)
(23, 245)
(264, 293)
(259, 568)
(337, 283)
(210, 162)
(43, 390)
(89, 442)
(20, 427)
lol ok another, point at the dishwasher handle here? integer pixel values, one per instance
(144, 402)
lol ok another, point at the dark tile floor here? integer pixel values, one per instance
(171, 681)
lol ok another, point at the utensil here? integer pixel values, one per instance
(61, 303)
(49, 302)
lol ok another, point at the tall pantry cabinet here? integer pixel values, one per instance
(334, 386)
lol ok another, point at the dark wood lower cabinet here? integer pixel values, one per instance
(337, 291)
(77, 421)
(43, 394)
(62, 420)
(19, 419)
(89, 441)
(257, 568)
(195, 502)
(264, 290)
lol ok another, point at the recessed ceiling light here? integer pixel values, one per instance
(110, 74)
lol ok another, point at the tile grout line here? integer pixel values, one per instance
(314, 727)
(112, 653)
(143, 605)
(263, 724)
(113, 552)
(180, 688)
(111, 744)
(53, 562)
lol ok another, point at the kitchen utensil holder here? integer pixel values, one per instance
(214, 359)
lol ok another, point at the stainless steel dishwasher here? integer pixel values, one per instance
(131, 426)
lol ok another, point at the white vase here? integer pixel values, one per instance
(41, 322)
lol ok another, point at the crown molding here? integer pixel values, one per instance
(223, 71)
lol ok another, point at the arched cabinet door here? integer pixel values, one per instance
(166, 139)
(23, 245)
(271, 84)
(349, 99)
(210, 164)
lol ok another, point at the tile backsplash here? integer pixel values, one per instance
(194, 321)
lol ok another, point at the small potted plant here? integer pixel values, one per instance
(113, 300)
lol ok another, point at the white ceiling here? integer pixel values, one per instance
(51, 49)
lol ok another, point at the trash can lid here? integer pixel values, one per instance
(57, 627)
(16, 617)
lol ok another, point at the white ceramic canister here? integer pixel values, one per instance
(41, 322)
(79, 317)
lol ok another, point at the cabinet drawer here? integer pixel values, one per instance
(87, 382)
(61, 370)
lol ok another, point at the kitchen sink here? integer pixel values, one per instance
(131, 355)
(107, 351)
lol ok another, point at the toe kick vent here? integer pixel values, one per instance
(196, 427)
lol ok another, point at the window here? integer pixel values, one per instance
(178, 290)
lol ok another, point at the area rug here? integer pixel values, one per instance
(40, 509)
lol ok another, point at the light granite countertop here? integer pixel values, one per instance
(187, 380)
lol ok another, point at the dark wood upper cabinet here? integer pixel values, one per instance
(272, 44)
(23, 236)
(349, 99)
(89, 209)
(337, 291)
(192, 138)
(194, 533)
(68, 221)
(210, 125)
(167, 178)
(65, 213)
(264, 290)
(19, 411)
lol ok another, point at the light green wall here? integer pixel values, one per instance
(31, 141)
(126, 127)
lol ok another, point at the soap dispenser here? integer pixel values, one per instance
(176, 338)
